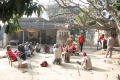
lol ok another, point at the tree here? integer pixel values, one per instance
(102, 14)
(55, 11)
(12, 10)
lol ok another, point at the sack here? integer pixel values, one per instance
(78, 47)
(22, 65)
(44, 64)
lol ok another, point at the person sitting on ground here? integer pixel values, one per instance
(13, 54)
(31, 48)
(46, 48)
(71, 49)
(85, 62)
(57, 54)
(63, 47)
(66, 56)
(27, 50)
(37, 47)
(21, 50)
(69, 41)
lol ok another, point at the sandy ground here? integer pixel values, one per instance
(103, 68)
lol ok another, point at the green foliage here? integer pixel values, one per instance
(12, 10)
(54, 9)
(75, 30)
(91, 1)
(118, 32)
(75, 10)
(116, 6)
(83, 16)
(118, 18)
(91, 22)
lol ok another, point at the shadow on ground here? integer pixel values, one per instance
(98, 69)
(68, 66)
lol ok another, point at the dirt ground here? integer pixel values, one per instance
(103, 68)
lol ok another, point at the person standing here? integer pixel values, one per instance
(110, 45)
(81, 40)
(99, 41)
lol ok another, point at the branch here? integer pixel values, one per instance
(101, 24)
(64, 5)
(83, 2)
(59, 14)
(87, 13)
(90, 27)
(98, 11)
(108, 7)
(78, 3)
(81, 21)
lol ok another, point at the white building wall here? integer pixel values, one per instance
(5, 39)
(61, 40)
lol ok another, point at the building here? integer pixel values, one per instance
(39, 30)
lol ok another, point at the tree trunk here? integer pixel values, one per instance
(119, 39)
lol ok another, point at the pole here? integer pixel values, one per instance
(40, 36)
(43, 22)
(23, 37)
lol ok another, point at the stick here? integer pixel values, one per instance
(78, 70)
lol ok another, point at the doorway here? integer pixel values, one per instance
(43, 37)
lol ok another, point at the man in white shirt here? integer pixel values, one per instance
(27, 49)
(57, 54)
(110, 45)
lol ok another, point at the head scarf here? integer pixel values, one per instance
(84, 54)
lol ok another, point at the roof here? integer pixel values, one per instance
(40, 23)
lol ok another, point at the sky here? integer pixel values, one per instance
(47, 2)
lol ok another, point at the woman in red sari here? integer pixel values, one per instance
(12, 55)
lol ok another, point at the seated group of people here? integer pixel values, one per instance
(22, 51)
(62, 51)
(58, 51)
(65, 52)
